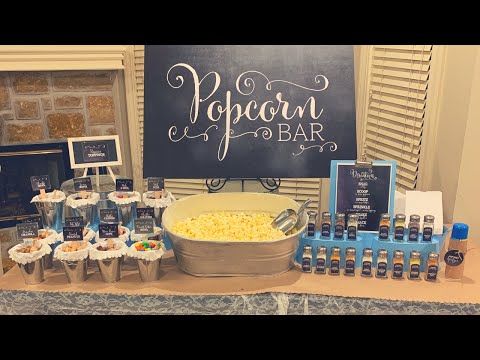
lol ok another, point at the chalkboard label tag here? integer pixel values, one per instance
(108, 215)
(338, 232)
(320, 268)
(413, 234)
(108, 231)
(72, 233)
(453, 257)
(155, 184)
(397, 272)
(382, 269)
(144, 226)
(326, 230)
(334, 267)
(40, 182)
(367, 268)
(95, 151)
(350, 267)
(427, 234)
(399, 233)
(306, 264)
(27, 230)
(82, 184)
(432, 272)
(352, 233)
(383, 232)
(414, 272)
(74, 221)
(34, 219)
(145, 213)
(124, 185)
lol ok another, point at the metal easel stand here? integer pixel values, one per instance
(216, 184)
(97, 174)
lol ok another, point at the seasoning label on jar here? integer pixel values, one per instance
(335, 267)
(338, 232)
(382, 269)
(383, 232)
(399, 232)
(427, 234)
(367, 268)
(415, 271)
(352, 232)
(413, 234)
(397, 270)
(320, 268)
(432, 272)
(350, 267)
(311, 229)
(453, 257)
(306, 264)
(326, 230)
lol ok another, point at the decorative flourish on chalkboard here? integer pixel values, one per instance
(173, 131)
(266, 133)
(249, 83)
(333, 147)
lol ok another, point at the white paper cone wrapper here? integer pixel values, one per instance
(54, 196)
(73, 255)
(134, 197)
(149, 200)
(123, 237)
(92, 200)
(90, 235)
(143, 237)
(50, 239)
(25, 258)
(101, 255)
(149, 255)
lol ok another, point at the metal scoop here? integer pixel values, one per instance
(288, 219)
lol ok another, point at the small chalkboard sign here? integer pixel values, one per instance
(72, 233)
(40, 182)
(34, 219)
(108, 216)
(145, 213)
(124, 185)
(94, 151)
(108, 231)
(144, 226)
(155, 184)
(27, 230)
(367, 191)
(82, 184)
(76, 221)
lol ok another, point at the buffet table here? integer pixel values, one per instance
(293, 292)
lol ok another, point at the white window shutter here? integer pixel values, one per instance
(301, 189)
(398, 87)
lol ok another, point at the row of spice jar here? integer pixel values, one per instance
(384, 229)
(398, 263)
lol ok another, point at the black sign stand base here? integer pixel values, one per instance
(216, 184)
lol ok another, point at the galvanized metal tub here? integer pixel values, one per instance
(216, 258)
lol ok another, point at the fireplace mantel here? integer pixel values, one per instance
(84, 57)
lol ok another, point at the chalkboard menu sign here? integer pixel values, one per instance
(73, 233)
(144, 226)
(124, 185)
(27, 230)
(145, 213)
(248, 110)
(109, 215)
(94, 151)
(155, 184)
(76, 221)
(82, 184)
(40, 182)
(108, 231)
(365, 191)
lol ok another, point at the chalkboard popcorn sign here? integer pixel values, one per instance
(82, 184)
(124, 185)
(76, 221)
(145, 213)
(108, 231)
(27, 230)
(109, 215)
(144, 226)
(248, 110)
(73, 233)
(95, 151)
(155, 184)
(40, 182)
